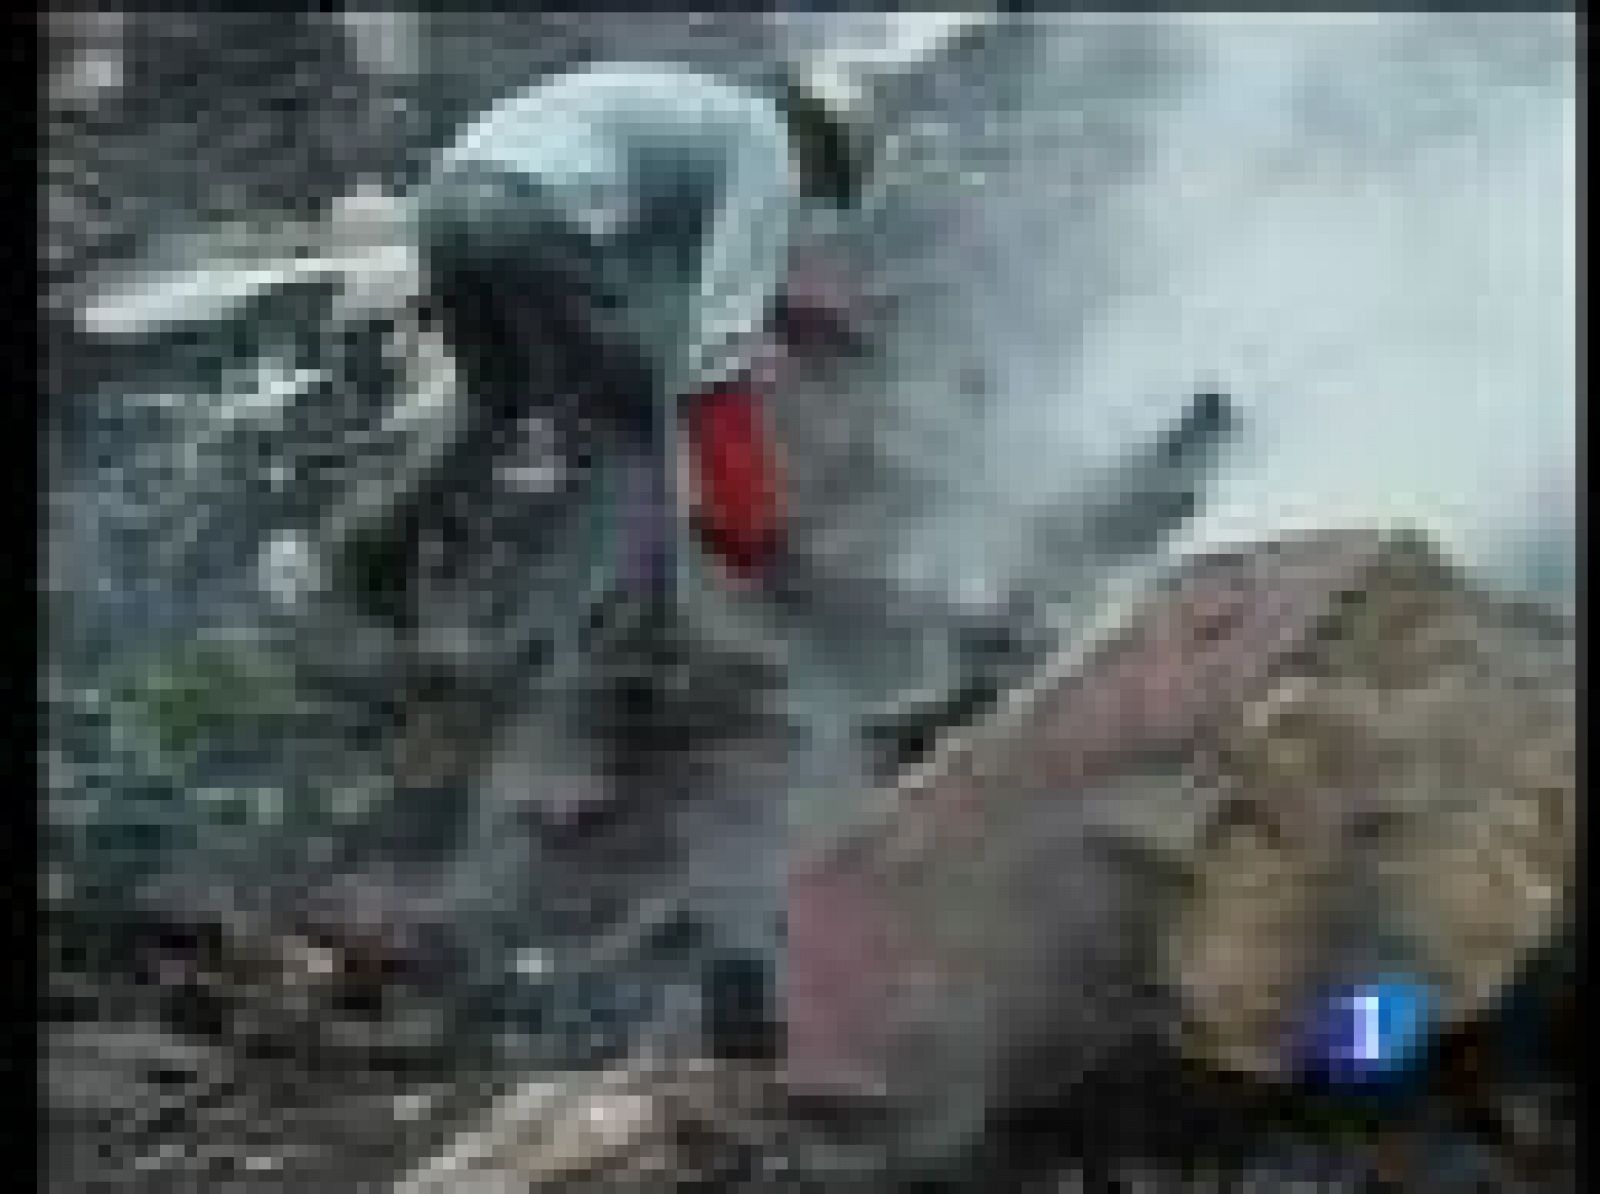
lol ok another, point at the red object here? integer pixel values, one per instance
(738, 507)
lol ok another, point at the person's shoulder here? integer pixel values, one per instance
(648, 79)
(661, 93)
(583, 114)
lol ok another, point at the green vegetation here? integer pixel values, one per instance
(177, 701)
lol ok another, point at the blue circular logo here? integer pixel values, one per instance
(1365, 1034)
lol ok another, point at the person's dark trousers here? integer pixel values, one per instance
(741, 1022)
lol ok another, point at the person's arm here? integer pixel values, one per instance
(747, 249)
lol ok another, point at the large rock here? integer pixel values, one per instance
(1340, 756)
(1401, 795)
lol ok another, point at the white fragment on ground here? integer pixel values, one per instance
(385, 43)
(414, 1105)
(531, 963)
(289, 569)
(364, 245)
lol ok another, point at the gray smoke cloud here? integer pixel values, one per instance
(1363, 228)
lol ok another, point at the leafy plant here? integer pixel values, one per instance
(202, 691)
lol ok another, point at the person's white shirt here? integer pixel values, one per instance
(602, 140)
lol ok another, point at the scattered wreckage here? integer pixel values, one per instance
(1318, 754)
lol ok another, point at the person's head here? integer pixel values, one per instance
(831, 149)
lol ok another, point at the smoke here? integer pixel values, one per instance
(1364, 229)
(997, 237)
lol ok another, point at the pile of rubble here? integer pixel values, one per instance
(1324, 753)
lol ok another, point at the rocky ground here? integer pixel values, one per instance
(137, 1107)
(271, 1060)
